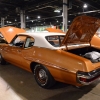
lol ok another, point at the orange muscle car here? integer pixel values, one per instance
(55, 57)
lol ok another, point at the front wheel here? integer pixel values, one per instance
(2, 61)
(43, 76)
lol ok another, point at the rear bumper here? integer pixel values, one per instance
(86, 78)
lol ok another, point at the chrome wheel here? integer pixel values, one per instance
(43, 76)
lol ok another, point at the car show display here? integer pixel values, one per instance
(53, 56)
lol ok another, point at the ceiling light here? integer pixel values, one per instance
(56, 10)
(38, 17)
(57, 21)
(69, 21)
(85, 6)
(9, 22)
(15, 20)
(27, 17)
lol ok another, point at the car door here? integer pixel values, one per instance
(28, 53)
(15, 50)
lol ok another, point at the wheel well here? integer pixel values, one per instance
(32, 65)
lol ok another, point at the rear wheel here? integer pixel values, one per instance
(43, 76)
(2, 61)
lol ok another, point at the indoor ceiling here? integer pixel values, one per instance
(41, 12)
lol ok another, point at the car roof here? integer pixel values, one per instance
(40, 39)
(42, 34)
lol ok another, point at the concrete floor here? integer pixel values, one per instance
(23, 83)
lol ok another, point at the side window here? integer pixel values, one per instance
(29, 42)
(19, 41)
(1, 36)
(3, 41)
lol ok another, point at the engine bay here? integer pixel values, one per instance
(90, 53)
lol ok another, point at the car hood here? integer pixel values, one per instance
(54, 30)
(81, 30)
(8, 33)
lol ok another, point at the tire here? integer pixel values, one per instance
(43, 76)
(2, 61)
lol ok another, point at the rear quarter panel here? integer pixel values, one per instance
(95, 42)
(61, 64)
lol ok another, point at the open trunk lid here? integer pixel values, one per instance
(8, 33)
(81, 30)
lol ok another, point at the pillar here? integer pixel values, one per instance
(2, 21)
(65, 15)
(22, 18)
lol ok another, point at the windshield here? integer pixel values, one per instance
(55, 40)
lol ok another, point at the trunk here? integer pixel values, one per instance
(90, 53)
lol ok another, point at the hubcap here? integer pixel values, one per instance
(42, 74)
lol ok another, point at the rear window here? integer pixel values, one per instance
(55, 40)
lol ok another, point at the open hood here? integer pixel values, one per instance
(54, 30)
(81, 30)
(8, 33)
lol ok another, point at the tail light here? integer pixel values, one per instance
(86, 78)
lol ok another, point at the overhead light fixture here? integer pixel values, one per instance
(9, 22)
(15, 19)
(57, 10)
(85, 6)
(69, 21)
(27, 17)
(38, 17)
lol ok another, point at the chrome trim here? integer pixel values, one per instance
(95, 74)
(87, 83)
